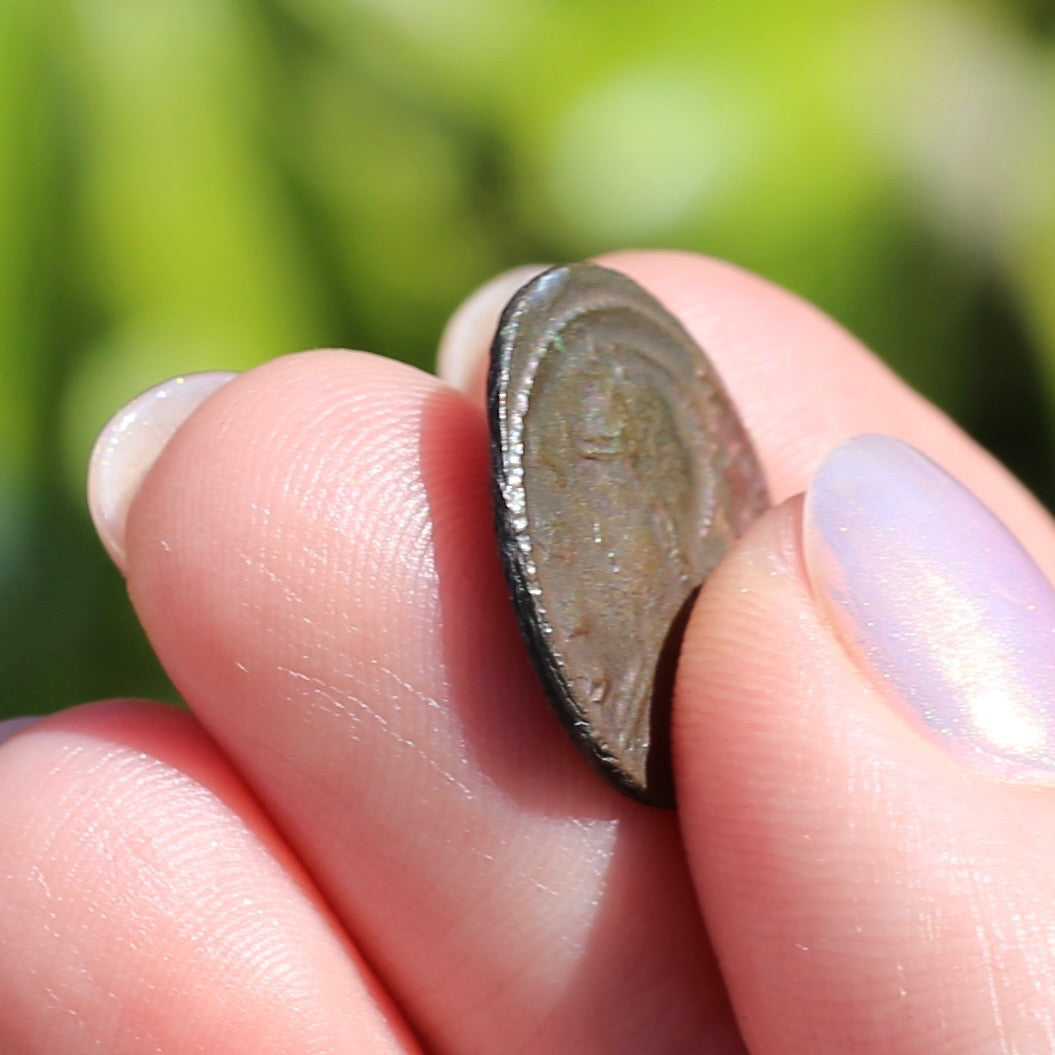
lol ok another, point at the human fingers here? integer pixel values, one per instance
(461, 357)
(312, 557)
(783, 798)
(865, 747)
(149, 904)
(762, 299)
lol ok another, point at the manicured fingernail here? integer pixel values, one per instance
(937, 599)
(10, 726)
(467, 336)
(130, 444)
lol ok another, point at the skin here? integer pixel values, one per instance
(369, 833)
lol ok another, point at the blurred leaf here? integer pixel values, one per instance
(211, 183)
(28, 130)
(185, 240)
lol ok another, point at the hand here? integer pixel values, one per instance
(370, 834)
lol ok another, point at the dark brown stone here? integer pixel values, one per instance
(621, 476)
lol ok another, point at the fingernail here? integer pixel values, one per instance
(936, 598)
(130, 444)
(10, 726)
(467, 337)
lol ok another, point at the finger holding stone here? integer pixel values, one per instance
(313, 558)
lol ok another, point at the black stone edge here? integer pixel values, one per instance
(554, 684)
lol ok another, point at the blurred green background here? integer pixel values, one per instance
(192, 184)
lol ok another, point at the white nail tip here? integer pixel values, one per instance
(130, 444)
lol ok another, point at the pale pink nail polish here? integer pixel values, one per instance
(936, 598)
(130, 444)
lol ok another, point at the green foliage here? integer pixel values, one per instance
(210, 183)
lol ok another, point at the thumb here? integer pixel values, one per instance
(865, 749)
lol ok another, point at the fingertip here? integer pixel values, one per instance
(130, 443)
(850, 869)
(466, 339)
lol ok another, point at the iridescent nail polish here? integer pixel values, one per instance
(939, 602)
